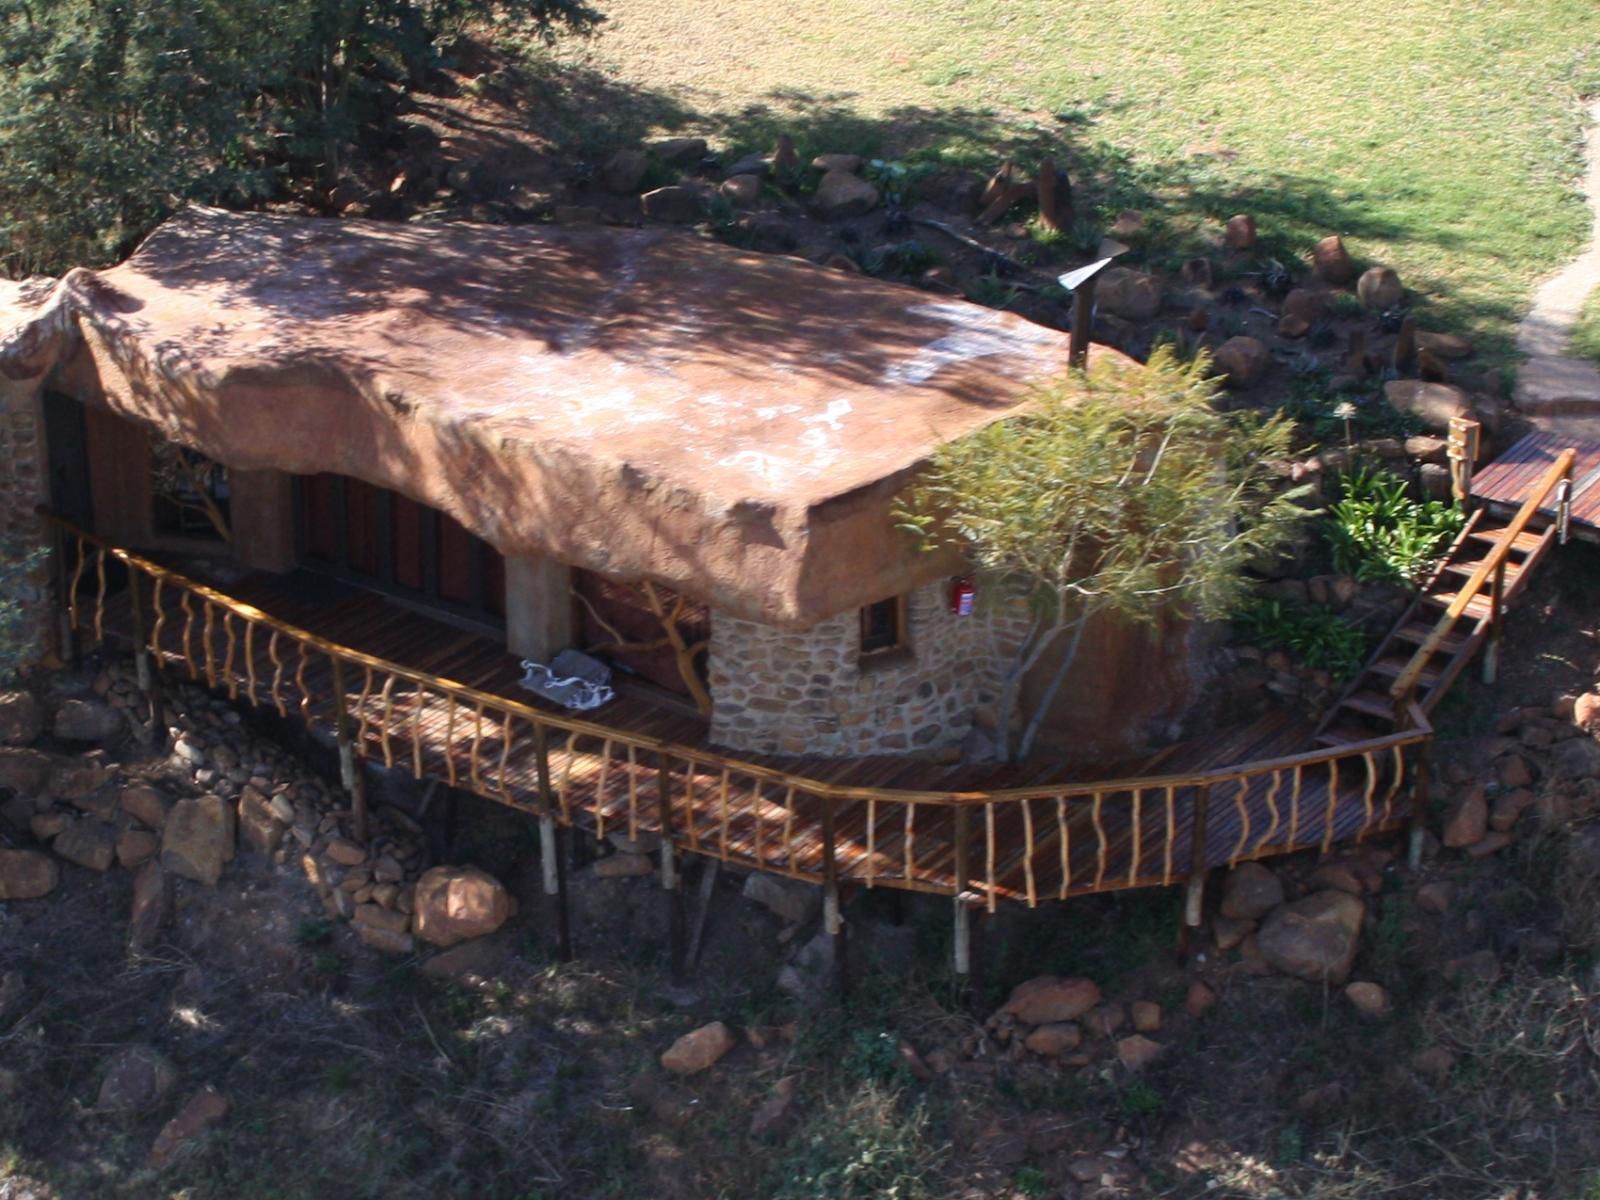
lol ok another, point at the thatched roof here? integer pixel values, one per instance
(639, 402)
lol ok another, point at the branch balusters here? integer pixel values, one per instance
(1027, 850)
(1102, 847)
(1064, 835)
(277, 674)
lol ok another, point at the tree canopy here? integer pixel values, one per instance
(114, 114)
(1117, 490)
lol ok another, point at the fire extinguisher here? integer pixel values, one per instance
(962, 595)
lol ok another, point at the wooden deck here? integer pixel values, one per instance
(444, 703)
(1506, 482)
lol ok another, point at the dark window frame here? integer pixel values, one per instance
(478, 612)
(884, 631)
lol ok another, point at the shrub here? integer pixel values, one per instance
(1314, 637)
(876, 1147)
(1379, 534)
(1322, 415)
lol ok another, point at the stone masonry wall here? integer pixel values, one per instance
(22, 451)
(779, 692)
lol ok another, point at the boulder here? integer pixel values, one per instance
(456, 903)
(1466, 820)
(345, 852)
(198, 839)
(1369, 999)
(1380, 288)
(1199, 998)
(1332, 262)
(1250, 891)
(741, 191)
(21, 718)
(1428, 449)
(623, 866)
(1055, 1038)
(624, 171)
(1146, 1016)
(1131, 294)
(1575, 758)
(837, 162)
(23, 771)
(1048, 999)
(77, 779)
(152, 899)
(199, 1113)
(1240, 233)
(841, 195)
(679, 151)
(698, 1049)
(770, 1113)
(1437, 897)
(88, 721)
(792, 900)
(137, 1080)
(1512, 771)
(1315, 938)
(751, 164)
(388, 941)
(1435, 481)
(145, 805)
(1137, 1052)
(677, 203)
(27, 874)
(88, 843)
(136, 847)
(1244, 360)
(1444, 345)
(259, 826)
(1434, 404)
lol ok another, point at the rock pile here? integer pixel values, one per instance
(1069, 1022)
(220, 787)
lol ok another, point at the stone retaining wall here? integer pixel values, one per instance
(779, 692)
(22, 450)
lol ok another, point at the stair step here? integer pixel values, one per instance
(1417, 633)
(1346, 735)
(1391, 666)
(1477, 608)
(1469, 569)
(1525, 542)
(1374, 704)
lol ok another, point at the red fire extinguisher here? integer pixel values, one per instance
(962, 595)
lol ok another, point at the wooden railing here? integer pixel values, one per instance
(1492, 571)
(1028, 844)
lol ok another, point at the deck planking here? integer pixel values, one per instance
(1031, 850)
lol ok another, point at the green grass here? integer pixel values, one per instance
(1442, 138)
(1585, 341)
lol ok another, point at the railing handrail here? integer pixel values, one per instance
(1400, 690)
(1419, 732)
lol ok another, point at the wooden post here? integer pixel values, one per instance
(669, 871)
(64, 628)
(1491, 652)
(962, 941)
(552, 860)
(832, 918)
(350, 773)
(1195, 888)
(1419, 808)
(1082, 322)
(143, 668)
(1462, 446)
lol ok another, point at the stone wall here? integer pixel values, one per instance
(778, 692)
(22, 450)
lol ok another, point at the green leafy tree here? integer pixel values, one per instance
(112, 114)
(1120, 490)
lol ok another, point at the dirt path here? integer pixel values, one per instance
(1550, 382)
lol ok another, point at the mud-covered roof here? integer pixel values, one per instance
(640, 402)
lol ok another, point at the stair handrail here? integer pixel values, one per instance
(1492, 566)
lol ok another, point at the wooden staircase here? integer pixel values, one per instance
(1456, 613)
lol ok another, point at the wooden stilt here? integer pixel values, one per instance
(143, 667)
(350, 774)
(1491, 651)
(66, 632)
(551, 859)
(670, 875)
(962, 939)
(1195, 888)
(1419, 809)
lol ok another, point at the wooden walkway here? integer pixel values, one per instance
(1506, 482)
(444, 704)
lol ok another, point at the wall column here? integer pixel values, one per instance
(538, 606)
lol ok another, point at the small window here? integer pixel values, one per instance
(189, 493)
(883, 626)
